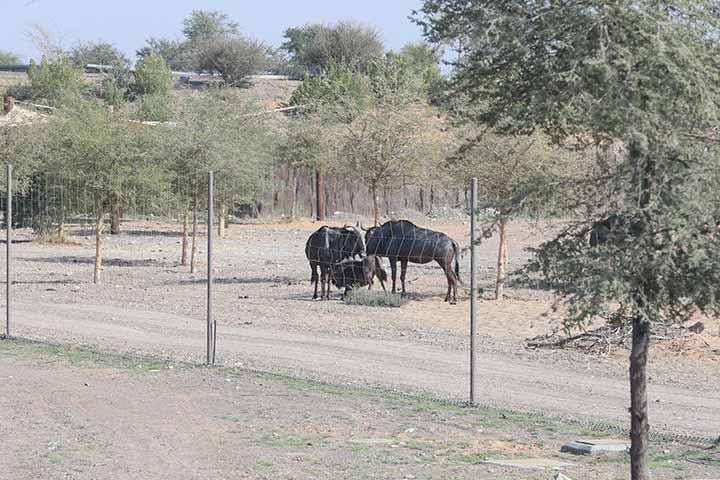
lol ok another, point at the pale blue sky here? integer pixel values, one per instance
(126, 23)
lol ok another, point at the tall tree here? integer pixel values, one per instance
(423, 60)
(512, 173)
(55, 79)
(8, 58)
(316, 47)
(234, 58)
(208, 24)
(335, 98)
(152, 76)
(116, 164)
(220, 132)
(176, 53)
(100, 53)
(639, 74)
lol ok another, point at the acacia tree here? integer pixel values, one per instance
(316, 47)
(88, 143)
(55, 79)
(101, 53)
(640, 73)
(383, 146)
(218, 132)
(302, 147)
(331, 100)
(512, 173)
(8, 58)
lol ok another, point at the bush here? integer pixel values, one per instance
(55, 79)
(234, 58)
(155, 108)
(19, 92)
(374, 298)
(152, 76)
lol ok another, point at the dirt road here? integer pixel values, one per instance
(405, 365)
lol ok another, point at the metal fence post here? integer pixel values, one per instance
(210, 323)
(8, 244)
(473, 288)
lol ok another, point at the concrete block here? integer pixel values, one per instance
(596, 445)
(529, 463)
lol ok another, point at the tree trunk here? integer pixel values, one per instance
(639, 426)
(404, 193)
(193, 252)
(183, 255)
(98, 247)
(502, 261)
(222, 220)
(386, 199)
(432, 197)
(311, 198)
(319, 196)
(294, 195)
(422, 201)
(115, 219)
(376, 207)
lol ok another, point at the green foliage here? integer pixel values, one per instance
(9, 58)
(113, 91)
(421, 60)
(55, 80)
(155, 108)
(20, 91)
(220, 132)
(152, 76)
(369, 298)
(213, 44)
(514, 172)
(21, 146)
(100, 53)
(638, 81)
(208, 24)
(315, 47)
(177, 54)
(232, 57)
(598, 67)
(302, 144)
(340, 86)
(116, 164)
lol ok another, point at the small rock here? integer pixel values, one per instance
(698, 327)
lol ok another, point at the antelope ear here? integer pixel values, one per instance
(361, 227)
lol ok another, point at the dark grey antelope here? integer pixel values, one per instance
(404, 241)
(350, 274)
(328, 246)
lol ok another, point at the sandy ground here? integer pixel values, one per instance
(147, 303)
(70, 414)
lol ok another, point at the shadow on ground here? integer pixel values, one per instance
(107, 262)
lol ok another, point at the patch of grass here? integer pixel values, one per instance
(293, 442)
(56, 238)
(478, 457)
(374, 298)
(413, 444)
(14, 347)
(55, 458)
(264, 463)
(233, 418)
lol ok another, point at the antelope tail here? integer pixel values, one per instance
(457, 262)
